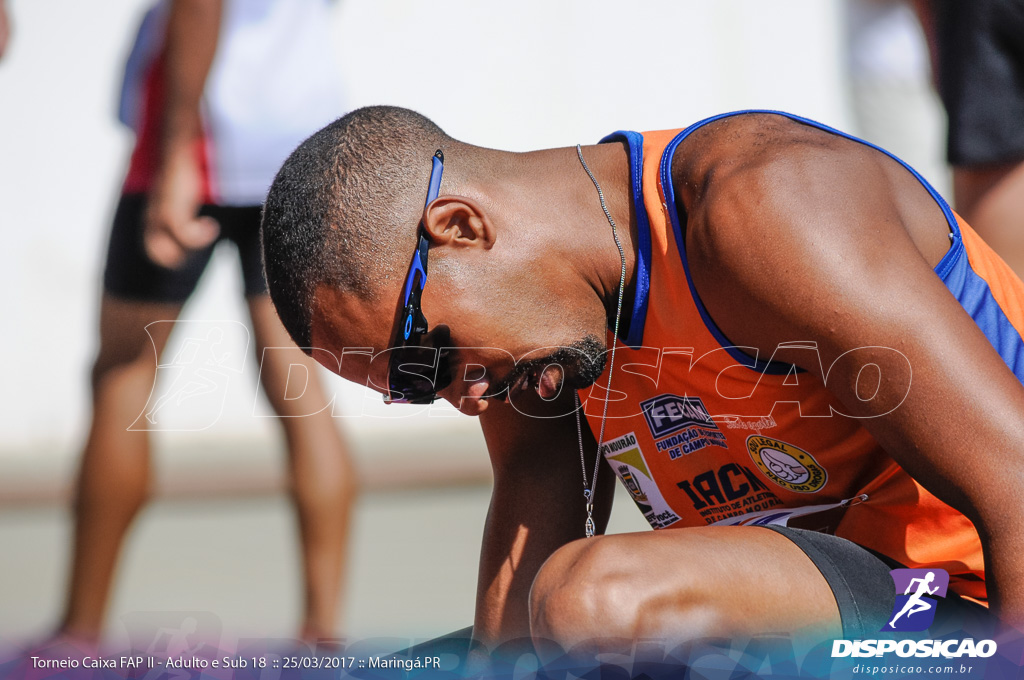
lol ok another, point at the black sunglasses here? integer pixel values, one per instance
(415, 371)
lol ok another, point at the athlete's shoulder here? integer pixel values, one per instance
(743, 149)
(774, 211)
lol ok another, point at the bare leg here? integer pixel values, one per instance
(991, 199)
(323, 478)
(114, 474)
(682, 584)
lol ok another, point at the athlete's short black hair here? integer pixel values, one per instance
(343, 209)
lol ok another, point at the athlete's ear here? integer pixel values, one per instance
(458, 221)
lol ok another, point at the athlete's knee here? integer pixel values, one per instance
(291, 384)
(123, 366)
(585, 590)
(603, 587)
(324, 484)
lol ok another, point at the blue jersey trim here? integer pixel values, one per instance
(635, 143)
(744, 359)
(975, 296)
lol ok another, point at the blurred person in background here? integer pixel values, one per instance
(218, 92)
(978, 59)
(5, 29)
(889, 76)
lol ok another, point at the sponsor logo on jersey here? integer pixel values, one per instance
(730, 491)
(668, 413)
(624, 455)
(632, 485)
(788, 466)
(681, 425)
(756, 423)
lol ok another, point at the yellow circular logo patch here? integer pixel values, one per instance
(788, 466)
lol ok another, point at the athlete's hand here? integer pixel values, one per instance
(173, 228)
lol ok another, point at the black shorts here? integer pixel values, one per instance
(859, 579)
(981, 78)
(131, 275)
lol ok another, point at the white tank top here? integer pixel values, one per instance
(274, 81)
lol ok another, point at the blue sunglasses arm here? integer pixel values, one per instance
(419, 258)
(436, 170)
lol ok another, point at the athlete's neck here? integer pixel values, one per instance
(547, 202)
(610, 166)
(551, 187)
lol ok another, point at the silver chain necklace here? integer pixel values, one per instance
(591, 488)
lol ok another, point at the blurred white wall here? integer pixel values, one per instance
(522, 75)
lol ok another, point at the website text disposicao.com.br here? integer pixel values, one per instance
(901, 670)
(950, 652)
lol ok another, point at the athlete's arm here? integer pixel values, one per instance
(536, 507)
(172, 228)
(811, 245)
(926, 15)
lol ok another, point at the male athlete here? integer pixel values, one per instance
(806, 330)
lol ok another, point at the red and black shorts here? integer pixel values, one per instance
(980, 47)
(131, 275)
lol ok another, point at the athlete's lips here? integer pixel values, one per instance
(546, 381)
(549, 383)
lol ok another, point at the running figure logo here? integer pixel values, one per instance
(205, 357)
(914, 609)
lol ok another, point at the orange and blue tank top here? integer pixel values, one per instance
(700, 432)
